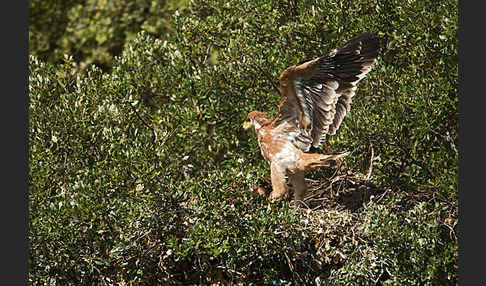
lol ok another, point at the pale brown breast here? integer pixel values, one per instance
(271, 141)
(265, 143)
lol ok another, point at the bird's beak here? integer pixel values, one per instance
(246, 125)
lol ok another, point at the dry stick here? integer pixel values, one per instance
(230, 270)
(448, 139)
(370, 168)
(207, 54)
(311, 196)
(291, 266)
(380, 197)
(375, 282)
(306, 205)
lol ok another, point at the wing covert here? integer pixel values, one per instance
(317, 94)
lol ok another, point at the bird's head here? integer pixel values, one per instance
(256, 119)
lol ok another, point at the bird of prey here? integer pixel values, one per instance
(316, 95)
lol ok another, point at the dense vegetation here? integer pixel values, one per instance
(140, 172)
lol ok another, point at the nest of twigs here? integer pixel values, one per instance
(344, 190)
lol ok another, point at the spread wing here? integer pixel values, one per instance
(317, 94)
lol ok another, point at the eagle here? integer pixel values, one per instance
(315, 97)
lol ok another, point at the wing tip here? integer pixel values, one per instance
(366, 45)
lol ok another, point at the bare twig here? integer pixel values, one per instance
(207, 54)
(448, 139)
(375, 282)
(370, 168)
(303, 203)
(291, 266)
(230, 270)
(379, 198)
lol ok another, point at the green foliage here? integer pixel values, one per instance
(142, 174)
(47, 22)
(406, 247)
(93, 31)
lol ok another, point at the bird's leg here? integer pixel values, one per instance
(279, 187)
(298, 182)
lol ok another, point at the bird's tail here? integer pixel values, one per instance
(314, 160)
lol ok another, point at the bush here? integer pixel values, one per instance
(405, 247)
(93, 31)
(142, 174)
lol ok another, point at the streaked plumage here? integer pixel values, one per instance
(316, 95)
